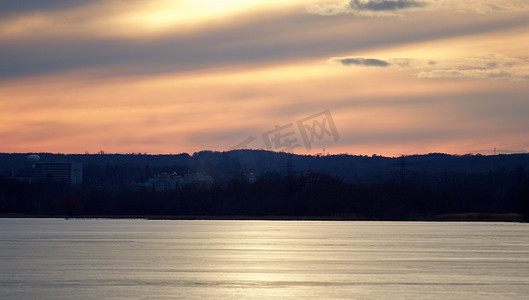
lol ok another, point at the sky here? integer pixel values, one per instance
(363, 77)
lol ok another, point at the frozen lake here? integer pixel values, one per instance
(183, 259)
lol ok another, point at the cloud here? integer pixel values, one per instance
(377, 8)
(10, 7)
(85, 39)
(359, 61)
(365, 7)
(385, 5)
(485, 66)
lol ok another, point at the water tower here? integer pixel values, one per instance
(33, 158)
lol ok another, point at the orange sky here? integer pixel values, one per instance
(397, 77)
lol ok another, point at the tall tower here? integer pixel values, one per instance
(289, 165)
(402, 168)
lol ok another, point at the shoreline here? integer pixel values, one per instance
(456, 217)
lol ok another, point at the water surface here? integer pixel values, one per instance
(183, 259)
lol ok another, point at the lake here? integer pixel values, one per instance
(191, 259)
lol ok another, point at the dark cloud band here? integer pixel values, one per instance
(385, 5)
(359, 61)
(10, 7)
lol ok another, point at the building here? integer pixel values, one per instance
(169, 182)
(64, 172)
(250, 177)
(198, 178)
(165, 182)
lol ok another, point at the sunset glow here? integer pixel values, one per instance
(185, 76)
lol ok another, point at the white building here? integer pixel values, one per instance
(165, 182)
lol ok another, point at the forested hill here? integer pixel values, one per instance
(230, 164)
(261, 183)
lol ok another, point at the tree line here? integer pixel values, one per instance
(308, 194)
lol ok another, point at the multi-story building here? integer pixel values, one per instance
(65, 172)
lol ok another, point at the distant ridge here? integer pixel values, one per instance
(347, 167)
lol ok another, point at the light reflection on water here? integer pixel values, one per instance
(89, 259)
